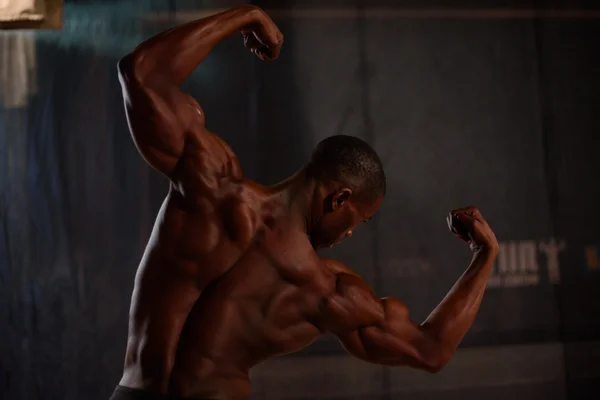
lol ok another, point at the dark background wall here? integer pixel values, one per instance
(473, 103)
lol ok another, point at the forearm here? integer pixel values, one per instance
(173, 55)
(453, 317)
(393, 338)
(389, 336)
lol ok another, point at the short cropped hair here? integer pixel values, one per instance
(352, 162)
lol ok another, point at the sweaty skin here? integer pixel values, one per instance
(230, 276)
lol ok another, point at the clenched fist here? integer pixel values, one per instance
(263, 37)
(469, 225)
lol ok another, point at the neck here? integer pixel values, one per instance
(298, 194)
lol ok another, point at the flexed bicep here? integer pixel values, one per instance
(378, 330)
(159, 117)
(168, 128)
(168, 125)
(395, 340)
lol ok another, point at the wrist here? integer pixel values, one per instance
(254, 13)
(486, 250)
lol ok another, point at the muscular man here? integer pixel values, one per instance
(230, 276)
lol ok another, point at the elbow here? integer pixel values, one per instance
(128, 67)
(133, 68)
(136, 69)
(436, 362)
(434, 367)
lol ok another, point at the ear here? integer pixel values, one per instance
(340, 197)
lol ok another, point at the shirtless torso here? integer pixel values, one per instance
(230, 276)
(242, 289)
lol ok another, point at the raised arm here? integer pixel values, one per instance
(381, 330)
(168, 125)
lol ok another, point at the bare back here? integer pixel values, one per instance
(237, 278)
(268, 303)
(187, 250)
(228, 278)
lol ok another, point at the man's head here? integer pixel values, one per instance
(350, 187)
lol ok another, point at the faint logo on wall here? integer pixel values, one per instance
(518, 263)
(592, 258)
